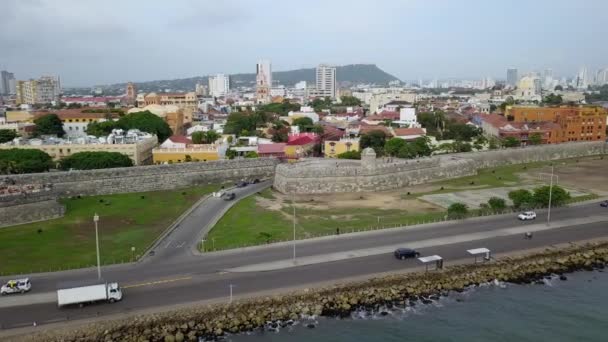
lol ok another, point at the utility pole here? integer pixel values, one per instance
(550, 196)
(96, 219)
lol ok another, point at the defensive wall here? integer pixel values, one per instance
(372, 174)
(26, 207)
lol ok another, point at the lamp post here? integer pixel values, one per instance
(294, 225)
(96, 219)
(551, 191)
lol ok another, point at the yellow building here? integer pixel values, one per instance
(180, 155)
(333, 148)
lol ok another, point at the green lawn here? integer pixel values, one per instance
(248, 224)
(125, 221)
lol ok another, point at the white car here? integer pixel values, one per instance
(527, 215)
(16, 286)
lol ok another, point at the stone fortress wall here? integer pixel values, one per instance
(24, 207)
(371, 174)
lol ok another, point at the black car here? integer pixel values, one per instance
(405, 253)
(241, 184)
(229, 196)
(604, 204)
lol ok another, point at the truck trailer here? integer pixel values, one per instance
(109, 292)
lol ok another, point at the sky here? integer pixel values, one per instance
(89, 42)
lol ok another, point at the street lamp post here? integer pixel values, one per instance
(293, 204)
(96, 219)
(550, 196)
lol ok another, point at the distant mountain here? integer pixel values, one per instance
(354, 73)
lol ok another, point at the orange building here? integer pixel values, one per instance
(577, 123)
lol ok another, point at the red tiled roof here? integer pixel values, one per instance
(303, 140)
(180, 139)
(400, 132)
(271, 148)
(364, 129)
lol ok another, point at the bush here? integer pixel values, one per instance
(497, 203)
(7, 135)
(350, 155)
(521, 198)
(95, 160)
(49, 124)
(559, 196)
(17, 160)
(457, 210)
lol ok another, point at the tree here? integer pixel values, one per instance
(305, 124)
(251, 154)
(7, 135)
(559, 196)
(350, 101)
(208, 137)
(497, 203)
(103, 128)
(422, 146)
(374, 139)
(245, 124)
(198, 137)
(49, 124)
(146, 122)
(460, 146)
(350, 155)
(511, 142)
(17, 160)
(558, 88)
(535, 139)
(231, 154)
(393, 146)
(493, 108)
(95, 160)
(493, 143)
(457, 210)
(521, 198)
(553, 99)
(460, 131)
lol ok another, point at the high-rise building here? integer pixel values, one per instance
(582, 78)
(512, 77)
(326, 81)
(7, 83)
(219, 85)
(602, 77)
(201, 89)
(263, 81)
(44, 90)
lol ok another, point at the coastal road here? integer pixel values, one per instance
(178, 275)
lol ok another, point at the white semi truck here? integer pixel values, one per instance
(109, 292)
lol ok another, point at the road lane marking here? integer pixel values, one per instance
(158, 282)
(181, 245)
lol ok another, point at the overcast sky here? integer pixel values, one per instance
(90, 42)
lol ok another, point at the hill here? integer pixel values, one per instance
(350, 74)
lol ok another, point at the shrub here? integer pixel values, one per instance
(458, 210)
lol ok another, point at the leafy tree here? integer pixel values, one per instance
(497, 203)
(305, 124)
(319, 104)
(535, 139)
(251, 154)
(559, 195)
(461, 146)
(231, 154)
(458, 210)
(208, 137)
(280, 108)
(422, 146)
(493, 143)
(350, 155)
(460, 131)
(95, 160)
(508, 102)
(146, 122)
(49, 124)
(553, 99)
(374, 139)
(511, 142)
(245, 124)
(521, 198)
(393, 146)
(558, 88)
(74, 105)
(17, 160)
(198, 137)
(493, 108)
(103, 128)
(7, 135)
(350, 101)
(318, 129)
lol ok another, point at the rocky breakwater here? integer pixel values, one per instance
(214, 321)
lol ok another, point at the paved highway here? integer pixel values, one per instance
(176, 274)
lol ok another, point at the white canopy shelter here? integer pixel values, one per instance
(480, 251)
(430, 259)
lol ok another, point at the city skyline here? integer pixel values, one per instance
(467, 40)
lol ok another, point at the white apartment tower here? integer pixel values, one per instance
(326, 81)
(219, 85)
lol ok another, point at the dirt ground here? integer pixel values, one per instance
(588, 175)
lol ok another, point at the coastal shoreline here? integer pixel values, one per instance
(213, 319)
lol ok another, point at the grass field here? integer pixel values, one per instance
(125, 221)
(247, 223)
